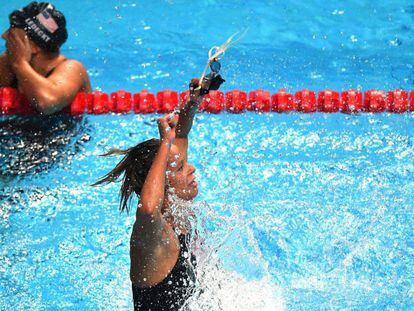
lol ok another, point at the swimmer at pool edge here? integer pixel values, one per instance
(33, 63)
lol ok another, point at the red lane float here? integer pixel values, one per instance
(79, 104)
(98, 103)
(121, 102)
(283, 102)
(213, 102)
(145, 102)
(375, 101)
(167, 101)
(259, 100)
(412, 101)
(351, 101)
(328, 101)
(9, 101)
(12, 102)
(236, 101)
(184, 97)
(306, 101)
(397, 101)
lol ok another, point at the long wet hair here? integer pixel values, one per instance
(133, 169)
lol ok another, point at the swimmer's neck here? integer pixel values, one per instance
(176, 226)
(180, 225)
(43, 63)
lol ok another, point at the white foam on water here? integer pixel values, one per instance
(220, 289)
(218, 238)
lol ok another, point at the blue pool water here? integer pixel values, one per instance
(299, 212)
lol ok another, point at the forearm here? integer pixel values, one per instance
(152, 194)
(186, 116)
(6, 72)
(35, 87)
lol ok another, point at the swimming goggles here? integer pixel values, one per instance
(216, 52)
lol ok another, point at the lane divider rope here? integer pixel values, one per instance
(236, 101)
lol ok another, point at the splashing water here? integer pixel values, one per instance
(303, 212)
(218, 288)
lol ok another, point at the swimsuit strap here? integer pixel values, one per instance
(15, 83)
(51, 71)
(172, 292)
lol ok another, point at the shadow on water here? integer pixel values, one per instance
(33, 145)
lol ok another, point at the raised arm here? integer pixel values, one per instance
(152, 193)
(187, 112)
(186, 117)
(173, 128)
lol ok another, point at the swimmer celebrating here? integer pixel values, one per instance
(157, 171)
(33, 62)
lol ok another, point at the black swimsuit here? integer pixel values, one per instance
(172, 292)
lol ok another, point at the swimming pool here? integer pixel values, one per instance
(304, 211)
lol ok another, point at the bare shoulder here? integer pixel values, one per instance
(74, 73)
(155, 233)
(152, 259)
(71, 65)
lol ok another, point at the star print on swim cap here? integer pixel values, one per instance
(44, 25)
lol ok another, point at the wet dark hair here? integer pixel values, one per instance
(134, 167)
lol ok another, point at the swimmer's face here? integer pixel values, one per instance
(20, 32)
(5, 34)
(180, 176)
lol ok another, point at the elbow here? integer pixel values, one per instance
(43, 109)
(148, 206)
(45, 104)
(147, 209)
